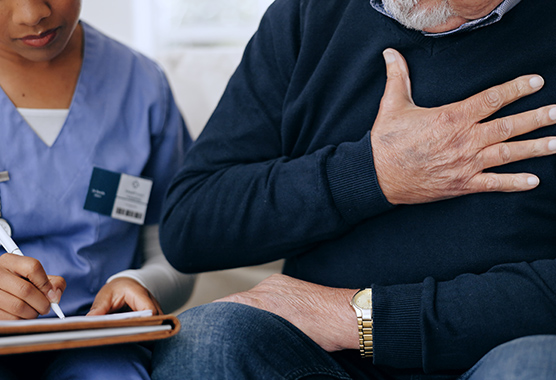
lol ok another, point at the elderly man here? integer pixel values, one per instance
(436, 197)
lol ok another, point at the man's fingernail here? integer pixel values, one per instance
(389, 56)
(552, 113)
(552, 144)
(536, 82)
(532, 181)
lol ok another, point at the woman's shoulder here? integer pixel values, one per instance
(113, 53)
(111, 62)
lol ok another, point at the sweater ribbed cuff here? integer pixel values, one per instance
(353, 181)
(397, 325)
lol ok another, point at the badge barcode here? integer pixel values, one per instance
(129, 213)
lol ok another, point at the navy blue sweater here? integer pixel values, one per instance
(284, 169)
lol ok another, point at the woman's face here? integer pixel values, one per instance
(36, 30)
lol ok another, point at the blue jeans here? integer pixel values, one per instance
(121, 362)
(233, 341)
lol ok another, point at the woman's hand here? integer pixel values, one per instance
(25, 289)
(123, 293)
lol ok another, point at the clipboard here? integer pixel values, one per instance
(17, 337)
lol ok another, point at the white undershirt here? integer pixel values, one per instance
(170, 287)
(47, 123)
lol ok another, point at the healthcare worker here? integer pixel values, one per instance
(90, 137)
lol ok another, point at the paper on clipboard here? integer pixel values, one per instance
(83, 318)
(84, 331)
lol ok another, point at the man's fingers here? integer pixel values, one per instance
(505, 128)
(504, 153)
(489, 182)
(486, 103)
(398, 86)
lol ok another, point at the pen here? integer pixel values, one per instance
(10, 247)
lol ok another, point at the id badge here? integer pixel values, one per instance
(118, 195)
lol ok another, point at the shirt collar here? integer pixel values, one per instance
(489, 19)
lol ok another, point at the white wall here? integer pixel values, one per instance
(143, 25)
(128, 21)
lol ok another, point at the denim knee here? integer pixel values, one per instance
(532, 357)
(234, 341)
(218, 327)
(209, 334)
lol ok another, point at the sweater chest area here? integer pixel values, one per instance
(339, 77)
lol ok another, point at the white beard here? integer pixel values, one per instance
(412, 16)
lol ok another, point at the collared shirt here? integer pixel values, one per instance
(489, 19)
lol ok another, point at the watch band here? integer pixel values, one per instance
(365, 324)
(362, 302)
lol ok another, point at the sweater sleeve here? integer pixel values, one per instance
(241, 199)
(450, 325)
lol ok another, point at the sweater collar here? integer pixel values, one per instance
(489, 19)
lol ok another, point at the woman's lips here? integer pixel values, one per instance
(40, 40)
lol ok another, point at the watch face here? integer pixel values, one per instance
(363, 299)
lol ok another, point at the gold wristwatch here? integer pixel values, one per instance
(362, 303)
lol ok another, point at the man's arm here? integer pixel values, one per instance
(431, 325)
(243, 199)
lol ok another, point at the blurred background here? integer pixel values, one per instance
(153, 26)
(198, 43)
